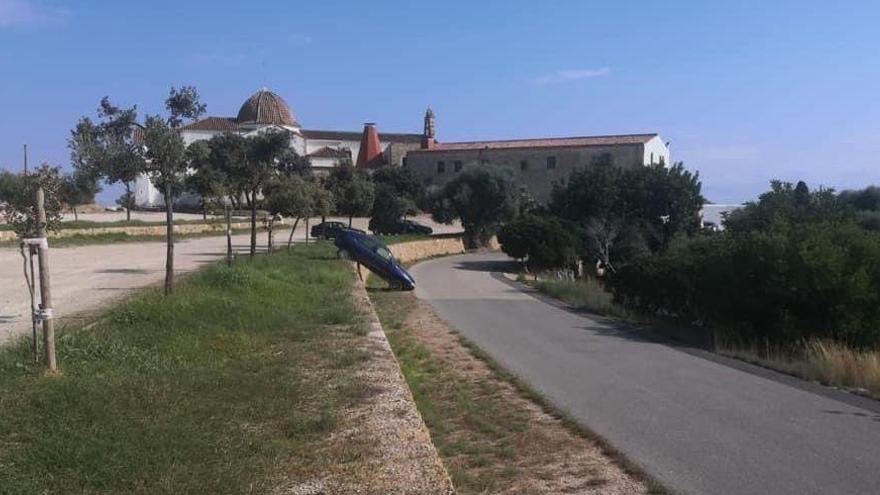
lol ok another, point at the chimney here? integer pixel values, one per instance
(370, 153)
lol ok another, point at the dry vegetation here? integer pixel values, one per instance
(829, 363)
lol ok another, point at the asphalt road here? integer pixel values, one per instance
(696, 423)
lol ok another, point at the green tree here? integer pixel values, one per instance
(623, 211)
(292, 196)
(210, 183)
(397, 194)
(110, 148)
(78, 189)
(543, 242)
(165, 153)
(261, 164)
(18, 199)
(352, 190)
(482, 197)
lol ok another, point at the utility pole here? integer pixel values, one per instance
(25, 159)
(45, 287)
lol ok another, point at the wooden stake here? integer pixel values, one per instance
(45, 286)
(228, 236)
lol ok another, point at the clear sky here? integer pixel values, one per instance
(744, 91)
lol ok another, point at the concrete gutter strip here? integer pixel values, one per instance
(407, 461)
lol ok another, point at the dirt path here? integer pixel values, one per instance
(86, 277)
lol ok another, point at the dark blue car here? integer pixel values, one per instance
(370, 252)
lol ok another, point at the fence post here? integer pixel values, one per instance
(45, 286)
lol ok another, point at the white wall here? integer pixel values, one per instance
(656, 148)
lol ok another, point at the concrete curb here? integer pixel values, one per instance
(406, 442)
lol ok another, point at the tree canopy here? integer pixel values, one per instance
(482, 197)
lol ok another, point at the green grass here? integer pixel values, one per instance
(451, 403)
(231, 385)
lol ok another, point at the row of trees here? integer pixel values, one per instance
(606, 215)
(793, 265)
(62, 190)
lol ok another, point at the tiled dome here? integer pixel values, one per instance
(265, 107)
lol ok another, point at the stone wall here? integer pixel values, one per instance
(406, 252)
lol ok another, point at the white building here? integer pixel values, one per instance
(265, 110)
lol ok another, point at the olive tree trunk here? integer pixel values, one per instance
(169, 240)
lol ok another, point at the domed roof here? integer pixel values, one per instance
(265, 107)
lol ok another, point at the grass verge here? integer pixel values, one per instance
(234, 384)
(494, 433)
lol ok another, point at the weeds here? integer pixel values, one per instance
(234, 382)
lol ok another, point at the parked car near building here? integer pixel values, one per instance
(330, 229)
(400, 227)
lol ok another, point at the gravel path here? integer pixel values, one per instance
(86, 278)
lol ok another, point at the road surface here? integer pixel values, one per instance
(695, 422)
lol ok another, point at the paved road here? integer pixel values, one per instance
(698, 425)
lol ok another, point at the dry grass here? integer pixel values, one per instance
(829, 363)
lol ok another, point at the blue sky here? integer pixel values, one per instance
(745, 91)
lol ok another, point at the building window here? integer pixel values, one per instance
(523, 165)
(652, 158)
(404, 161)
(457, 165)
(441, 167)
(662, 160)
(551, 162)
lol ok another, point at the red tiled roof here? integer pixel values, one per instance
(356, 136)
(328, 152)
(542, 143)
(213, 124)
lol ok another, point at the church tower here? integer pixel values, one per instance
(429, 134)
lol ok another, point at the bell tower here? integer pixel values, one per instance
(429, 134)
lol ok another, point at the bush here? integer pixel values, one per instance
(784, 286)
(545, 242)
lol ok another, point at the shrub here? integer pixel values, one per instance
(545, 242)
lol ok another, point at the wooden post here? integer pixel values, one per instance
(45, 286)
(228, 236)
(270, 224)
(169, 239)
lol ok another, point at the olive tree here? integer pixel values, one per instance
(482, 197)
